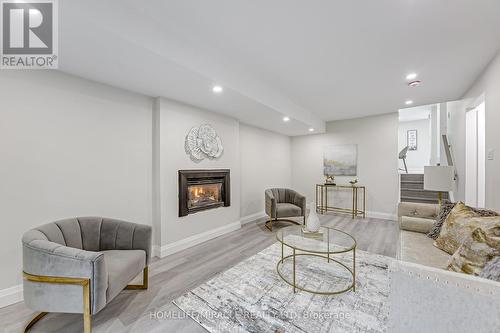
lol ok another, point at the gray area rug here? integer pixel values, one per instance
(251, 297)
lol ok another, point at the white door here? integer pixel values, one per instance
(475, 156)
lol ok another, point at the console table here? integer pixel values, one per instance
(358, 194)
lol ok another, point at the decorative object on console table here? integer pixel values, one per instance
(439, 178)
(203, 142)
(322, 205)
(329, 179)
(340, 160)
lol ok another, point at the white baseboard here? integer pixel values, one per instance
(11, 295)
(382, 216)
(185, 243)
(156, 251)
(252, 217)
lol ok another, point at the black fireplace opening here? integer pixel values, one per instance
(203, 189)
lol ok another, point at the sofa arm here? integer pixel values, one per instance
(300, 200)
(421, 210)
(416, 224)
(270, 203)
(45, 258)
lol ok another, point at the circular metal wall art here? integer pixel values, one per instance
(203, 142)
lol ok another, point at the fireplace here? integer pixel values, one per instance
(203, 189)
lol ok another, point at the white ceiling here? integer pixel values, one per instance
(416, 113)
(314, 60)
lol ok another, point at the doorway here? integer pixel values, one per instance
(475, 158)
(414, 139)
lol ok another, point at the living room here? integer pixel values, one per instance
(245, 166)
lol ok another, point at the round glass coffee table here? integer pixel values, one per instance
(327, 242)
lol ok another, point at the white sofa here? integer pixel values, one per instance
(415, 221)
(426, 299)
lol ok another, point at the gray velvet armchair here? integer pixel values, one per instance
(282, 203)
(79, 265)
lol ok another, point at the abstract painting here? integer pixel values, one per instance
(340, 160)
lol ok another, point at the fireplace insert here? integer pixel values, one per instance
(203, 189)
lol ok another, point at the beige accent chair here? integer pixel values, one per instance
(282, 203)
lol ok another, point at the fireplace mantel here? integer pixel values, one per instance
(214, 182)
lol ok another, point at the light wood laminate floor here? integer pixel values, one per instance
(135, 311)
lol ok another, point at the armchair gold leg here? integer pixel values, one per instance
(85, 283)
(144, 285)
(34, 321)
(87, 316)
(269, 224)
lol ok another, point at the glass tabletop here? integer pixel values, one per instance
(328, 240)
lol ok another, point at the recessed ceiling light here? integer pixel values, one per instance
(311, 129)
(411, 76)
(286, 118)
(409, 102)
(217, 89)
(415, 83)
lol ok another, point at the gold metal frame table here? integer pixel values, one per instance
(330, 241)
(358, 192)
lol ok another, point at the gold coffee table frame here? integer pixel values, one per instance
(322, 254)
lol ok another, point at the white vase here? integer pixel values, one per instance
(312, 223)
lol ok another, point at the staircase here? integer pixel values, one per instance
(412, 190)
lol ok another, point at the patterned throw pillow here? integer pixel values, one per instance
(478, 248)
(445, 210)
(484, 212)
(456, 228)
(492, 270)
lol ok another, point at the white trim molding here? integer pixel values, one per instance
(11, 295)
(188, 242)
(252, 217)
(382, 216)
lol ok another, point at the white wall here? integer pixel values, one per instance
(265, 163)
(377, 141)
(416, 159)
(489, 84)
(175, 121)
(69, 147)
(456, 137)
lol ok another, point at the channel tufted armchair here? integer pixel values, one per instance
(79, 265)
(282, 203)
